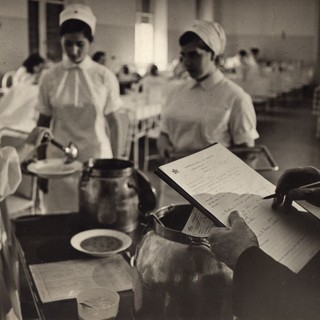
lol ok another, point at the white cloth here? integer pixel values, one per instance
(10, 177)
(196, 115)
(18, 107)
(10, 173)
(23, 76)
(80, 12)
(212, 34)
(154, 87)
(78, 98)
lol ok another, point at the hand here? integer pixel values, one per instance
(39, 136)
(288, 186)
(164, 145)
(229, 243)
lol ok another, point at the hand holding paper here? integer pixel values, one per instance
(217, 182)
(229, 243)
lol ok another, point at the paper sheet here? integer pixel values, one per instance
(198, 224)
(221, 182)
(65, 279)
(311, 208)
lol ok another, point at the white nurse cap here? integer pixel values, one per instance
(212, 35)
(79, 12)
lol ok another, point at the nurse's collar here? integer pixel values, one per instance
(204, 77)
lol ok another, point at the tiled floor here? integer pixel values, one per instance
(288, 131)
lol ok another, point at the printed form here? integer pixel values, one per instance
(220, 182)
(66, 279)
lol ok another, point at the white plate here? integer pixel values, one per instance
(54, 168)
(117, 242)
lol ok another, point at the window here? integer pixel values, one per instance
(144, 35)
(144, 39)
(44, 28)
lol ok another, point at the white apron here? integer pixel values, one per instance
(78, 117)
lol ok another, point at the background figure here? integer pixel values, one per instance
(255, 53)
(152, 84)
(22, 96)
(30, 70)
(78, 99)
(248, 68)
(126, 78)
(153, 71)
(100, 57)
(243, 57)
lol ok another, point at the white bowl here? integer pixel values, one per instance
(123, 240)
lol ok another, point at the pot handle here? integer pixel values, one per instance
(146, 192)
(87, 170)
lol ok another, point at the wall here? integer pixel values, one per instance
(285, 29)
(116, 21)
(114, 32)
(115, 29)
(13, 18)
(181, 14)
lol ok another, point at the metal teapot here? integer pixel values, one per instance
(114, 194)
(176, 276)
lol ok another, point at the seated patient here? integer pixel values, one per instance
(100, 57)
(22, 97)
(30, 70)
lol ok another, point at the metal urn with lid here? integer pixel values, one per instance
(176, 276)
(112, 193)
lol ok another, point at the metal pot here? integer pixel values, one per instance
(112, 193)
(176, 276)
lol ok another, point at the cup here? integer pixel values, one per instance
(98, 304)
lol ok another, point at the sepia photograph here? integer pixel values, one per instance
(160, 159)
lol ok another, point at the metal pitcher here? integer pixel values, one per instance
(114, 194)
(176, 276)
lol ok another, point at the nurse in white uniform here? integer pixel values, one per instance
(207, 107)
(78, 100)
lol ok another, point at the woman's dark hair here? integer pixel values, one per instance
(75, 25)
(125, 69)
(98, 55)
(243, 53)
(255, 51)
(189, 37)
(32, 61)
(154, 70)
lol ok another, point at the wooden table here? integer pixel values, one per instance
(46, 238)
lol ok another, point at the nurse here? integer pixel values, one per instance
(207, 107)
(78, 100)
